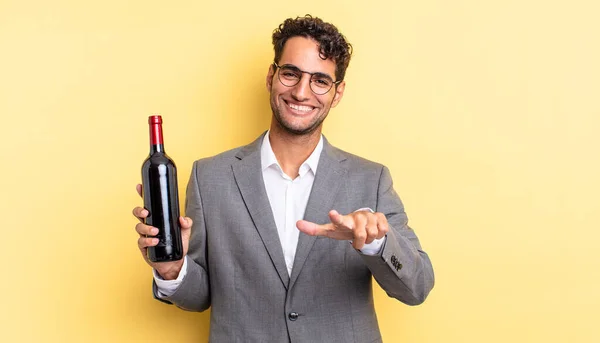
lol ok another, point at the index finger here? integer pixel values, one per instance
(313, 229)
(138, 188)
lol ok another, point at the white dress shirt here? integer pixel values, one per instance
(288, 198)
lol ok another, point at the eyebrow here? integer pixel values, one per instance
(318, 74)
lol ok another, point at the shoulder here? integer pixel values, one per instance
(356, 164)
(217, 162)
(365, 179)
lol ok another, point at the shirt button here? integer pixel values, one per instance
(293, 316)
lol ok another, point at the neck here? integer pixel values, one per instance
(292, 150)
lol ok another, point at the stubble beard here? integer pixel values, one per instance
(297, 131)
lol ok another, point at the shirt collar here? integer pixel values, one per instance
(267, 157)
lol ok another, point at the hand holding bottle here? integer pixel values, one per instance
(162, 226)
(167, 270)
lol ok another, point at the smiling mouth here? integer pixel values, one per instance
(299, 109)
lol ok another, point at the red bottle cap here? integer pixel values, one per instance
(155, 120)
(156, 136)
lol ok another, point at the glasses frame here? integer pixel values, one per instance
(277, 66)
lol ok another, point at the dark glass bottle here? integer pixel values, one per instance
(161, 199)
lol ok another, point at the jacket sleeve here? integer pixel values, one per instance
(193, 294)
(401, 268)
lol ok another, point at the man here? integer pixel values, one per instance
(288, 230)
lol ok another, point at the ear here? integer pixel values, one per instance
(339, 93)
(270, 75)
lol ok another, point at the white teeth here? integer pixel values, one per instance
(301, 108)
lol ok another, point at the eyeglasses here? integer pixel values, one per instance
(290, 75)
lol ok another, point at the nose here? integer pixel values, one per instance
(302, 91)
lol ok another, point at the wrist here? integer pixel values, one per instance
(172, 272)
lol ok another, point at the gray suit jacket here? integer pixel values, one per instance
(237, 267)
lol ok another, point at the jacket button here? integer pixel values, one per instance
(293, 316)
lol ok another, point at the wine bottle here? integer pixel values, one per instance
(161, 199)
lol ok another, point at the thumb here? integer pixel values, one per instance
(336, 218)
(185, 222)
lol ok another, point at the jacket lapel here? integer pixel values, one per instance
(248, 176)
(330, 176)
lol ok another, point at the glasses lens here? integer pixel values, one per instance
(288, 76)
(320, 84)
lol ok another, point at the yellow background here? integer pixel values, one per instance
(486, 112)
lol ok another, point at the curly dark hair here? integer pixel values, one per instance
(332, 43)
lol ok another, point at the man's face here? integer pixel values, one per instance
(297, 109)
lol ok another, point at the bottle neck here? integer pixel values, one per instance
(157, 148)
(156, 138)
